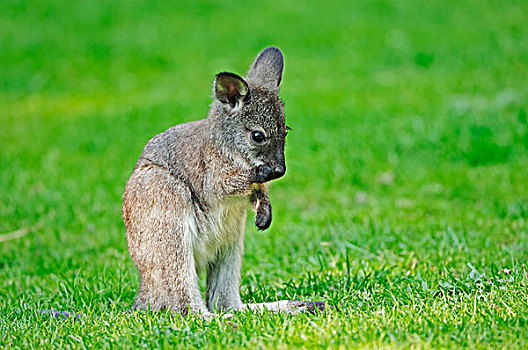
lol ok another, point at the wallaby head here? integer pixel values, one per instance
(249, 115)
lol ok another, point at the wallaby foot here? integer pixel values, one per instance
(158, 298)
(291, 306)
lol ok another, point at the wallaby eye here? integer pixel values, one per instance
(257, 137)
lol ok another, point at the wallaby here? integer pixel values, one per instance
(185, 204)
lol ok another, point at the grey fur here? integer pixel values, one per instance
(266, 71)
(185, 203)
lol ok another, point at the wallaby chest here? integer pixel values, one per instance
(220, 226)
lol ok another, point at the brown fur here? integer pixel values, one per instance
(185, 203)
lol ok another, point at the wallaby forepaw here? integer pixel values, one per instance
(263, 217)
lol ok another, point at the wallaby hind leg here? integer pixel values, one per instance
(223, 278)
(156, 210)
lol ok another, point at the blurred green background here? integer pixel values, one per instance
(406, 164)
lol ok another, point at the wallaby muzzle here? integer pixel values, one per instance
(265, 173)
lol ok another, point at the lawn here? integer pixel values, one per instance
(405, 203)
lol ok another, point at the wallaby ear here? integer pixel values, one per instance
(230, 88)
(266, 70)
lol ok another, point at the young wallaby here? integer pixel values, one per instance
(185, 204)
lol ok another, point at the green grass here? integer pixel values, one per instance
(405, 204)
